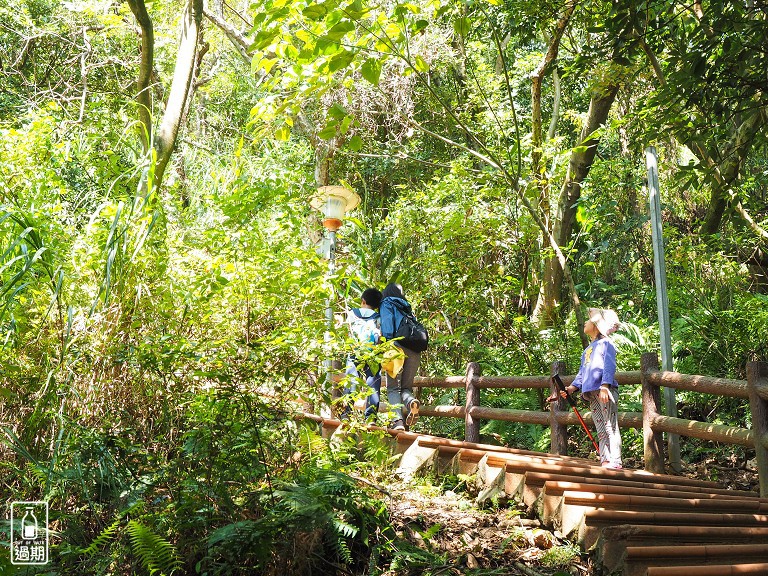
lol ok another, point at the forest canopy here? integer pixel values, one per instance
(163, 289)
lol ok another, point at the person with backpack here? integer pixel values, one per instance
(363, 325)
(398, 322)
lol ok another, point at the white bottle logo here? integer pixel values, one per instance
(29, 525)
(29, 533)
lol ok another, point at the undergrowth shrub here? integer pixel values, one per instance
(322, 522)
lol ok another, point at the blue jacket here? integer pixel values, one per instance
(391, 313)
(598, 366)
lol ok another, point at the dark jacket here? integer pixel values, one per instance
(391, 313)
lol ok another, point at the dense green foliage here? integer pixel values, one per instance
(158, 338)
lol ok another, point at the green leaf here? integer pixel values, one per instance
(356, 10)
(392, 31)
(345, 124)
(283, 134)
(315, 12)
(461, 26)
(341, 60)
(371, 71)
(326, 46)
(266, 64)
(421, 65)
(338, 31)
(328, 132)
(337, 112)
(355, 143)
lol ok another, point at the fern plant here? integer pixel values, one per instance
(323, 518)
(155, 554)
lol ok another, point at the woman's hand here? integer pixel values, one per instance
(562, 393)
(605, 394)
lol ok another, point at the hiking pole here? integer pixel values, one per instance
(572, 402)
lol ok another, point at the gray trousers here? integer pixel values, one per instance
(606, 419)
(400, 389)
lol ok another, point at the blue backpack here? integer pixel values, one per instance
(412, 333)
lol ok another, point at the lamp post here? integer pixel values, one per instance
(334, 202)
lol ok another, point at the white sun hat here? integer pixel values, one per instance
(606, 320)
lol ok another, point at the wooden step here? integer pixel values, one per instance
(465, 460)
(575, 506)
(517, 470)
(446, 443)
(640, 558)
(711, 570)
(610, 550)
(534, 483)
(650, 503)
(595, 520)
(551, 499)
(472, 453)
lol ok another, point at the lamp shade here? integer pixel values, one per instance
(334, 202)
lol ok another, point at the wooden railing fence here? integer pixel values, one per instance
(650, 420)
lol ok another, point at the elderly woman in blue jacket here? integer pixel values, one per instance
(597, 382)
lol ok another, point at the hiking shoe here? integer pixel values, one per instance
(413, 412)
(611, 466)
(397, 425)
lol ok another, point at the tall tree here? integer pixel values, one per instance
(161, 141)
(712, 94)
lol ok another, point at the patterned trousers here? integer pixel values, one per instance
(606, 419)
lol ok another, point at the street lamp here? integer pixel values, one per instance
(334, 202)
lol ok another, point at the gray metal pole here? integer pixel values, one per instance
(662, 300)
(329, 314)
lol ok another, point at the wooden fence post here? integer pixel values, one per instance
(559, 432)
(757, 384)
(471, 427)
(653, 442)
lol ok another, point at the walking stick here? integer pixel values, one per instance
(572, 402)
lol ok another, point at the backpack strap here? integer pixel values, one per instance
(356, 312)
(404, 307)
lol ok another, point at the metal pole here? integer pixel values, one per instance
(328, 362)
(662, 300)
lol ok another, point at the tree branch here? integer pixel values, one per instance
(537, 79)
(237, 38)
(143, 94)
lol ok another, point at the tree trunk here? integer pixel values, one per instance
(537, 78)
(164, 140)
(181, 91)
(143, 92)
(728, 169)
(581, 161)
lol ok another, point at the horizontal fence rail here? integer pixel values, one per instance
(651, 420)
